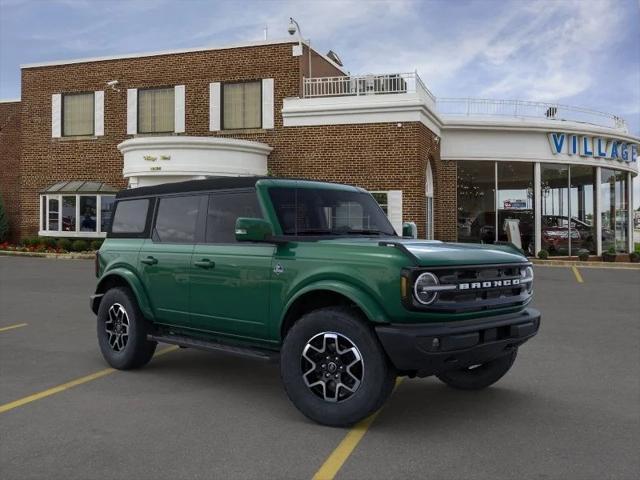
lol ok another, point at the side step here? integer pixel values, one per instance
(189, 342)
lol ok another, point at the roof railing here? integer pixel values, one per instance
(371, 84)
(478, 107)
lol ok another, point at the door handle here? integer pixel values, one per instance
(204, 263)
(149, 260)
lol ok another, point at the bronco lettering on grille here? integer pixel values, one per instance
(511, 282)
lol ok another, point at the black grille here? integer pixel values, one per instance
(478, 288)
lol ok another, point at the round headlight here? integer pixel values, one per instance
(422, 288)
(527, 277)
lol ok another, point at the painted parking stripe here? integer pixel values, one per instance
(334, 462)
(66, 386)
(577, 273)
(11, 327)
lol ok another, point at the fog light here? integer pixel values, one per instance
(435, 343)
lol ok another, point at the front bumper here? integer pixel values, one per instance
(427, 349)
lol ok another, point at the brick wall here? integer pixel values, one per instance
(373, 156)
(10, 162)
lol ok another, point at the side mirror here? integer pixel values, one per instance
(409, 229)
(253, 230)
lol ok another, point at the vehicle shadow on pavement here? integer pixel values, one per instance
(420, 404)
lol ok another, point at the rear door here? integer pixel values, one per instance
(230, 280)
(164, 259)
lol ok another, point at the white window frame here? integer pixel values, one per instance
(428, 190)
(44, 221)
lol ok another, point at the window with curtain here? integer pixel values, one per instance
(241, 105)
(156, 110)
(77, 114)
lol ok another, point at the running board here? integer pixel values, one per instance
(189, 342)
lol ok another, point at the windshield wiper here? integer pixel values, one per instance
(315, 231)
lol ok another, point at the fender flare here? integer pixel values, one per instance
(365, 301)
(134, 283)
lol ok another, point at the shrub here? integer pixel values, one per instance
(96, 244)
(48, 242)
(79, 246)
(583, 254)
(29, 241)
(64, 244)
(543, 254)
(4, 223)
(634, 257)
(611, 250)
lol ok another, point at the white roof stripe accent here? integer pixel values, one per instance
(158, 53)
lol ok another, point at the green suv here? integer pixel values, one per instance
(311, 274)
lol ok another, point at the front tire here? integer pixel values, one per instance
(333, 368)
(122, 331)
(480, 376)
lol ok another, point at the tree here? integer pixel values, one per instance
(4, 223)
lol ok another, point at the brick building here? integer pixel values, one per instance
(85, 128)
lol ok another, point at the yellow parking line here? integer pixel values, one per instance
(65, 386)
(11, 327)
(576, 272)
(333, 464)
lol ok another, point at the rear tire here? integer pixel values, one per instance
(122, 331)
(481, 376)
(333, 367)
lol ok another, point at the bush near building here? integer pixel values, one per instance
(52, 245)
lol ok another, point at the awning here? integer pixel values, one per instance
(80, 187)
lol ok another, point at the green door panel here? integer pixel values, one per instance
(230, 288)
(164, 270)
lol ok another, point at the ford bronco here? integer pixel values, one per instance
(311, 274)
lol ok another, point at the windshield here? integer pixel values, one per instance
(310, 211)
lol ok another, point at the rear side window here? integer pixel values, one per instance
(177, 219)
(130, 216)
(224, 210)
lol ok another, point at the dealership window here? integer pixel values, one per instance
(156, 110)
(242, 105)
(582, 208)
(515, 202)
(76, 209)
(476, 201)
(78, 114)
(555, 209)
(614, 208)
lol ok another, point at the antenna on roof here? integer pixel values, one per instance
(266, 32)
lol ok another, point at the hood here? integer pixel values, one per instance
(435, 253)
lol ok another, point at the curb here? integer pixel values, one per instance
(58, 256)
(573, 263)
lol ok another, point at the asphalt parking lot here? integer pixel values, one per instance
(569, 409)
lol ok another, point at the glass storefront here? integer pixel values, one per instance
(614, 210)
(476, 202)
(568, 203)
(554, 190)
(516, 202)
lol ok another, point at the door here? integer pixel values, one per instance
(165, 258)
(230, 281)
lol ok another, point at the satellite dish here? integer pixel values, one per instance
(334, 57)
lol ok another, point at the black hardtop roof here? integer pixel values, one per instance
(209, 184)
(218, 183)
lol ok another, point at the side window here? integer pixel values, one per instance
(224, 209)
(130, 216)
(177, 219)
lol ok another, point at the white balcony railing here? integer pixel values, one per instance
(525, 109)
(357, 85)
(399, 83)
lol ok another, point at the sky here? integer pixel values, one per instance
(576, 52)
